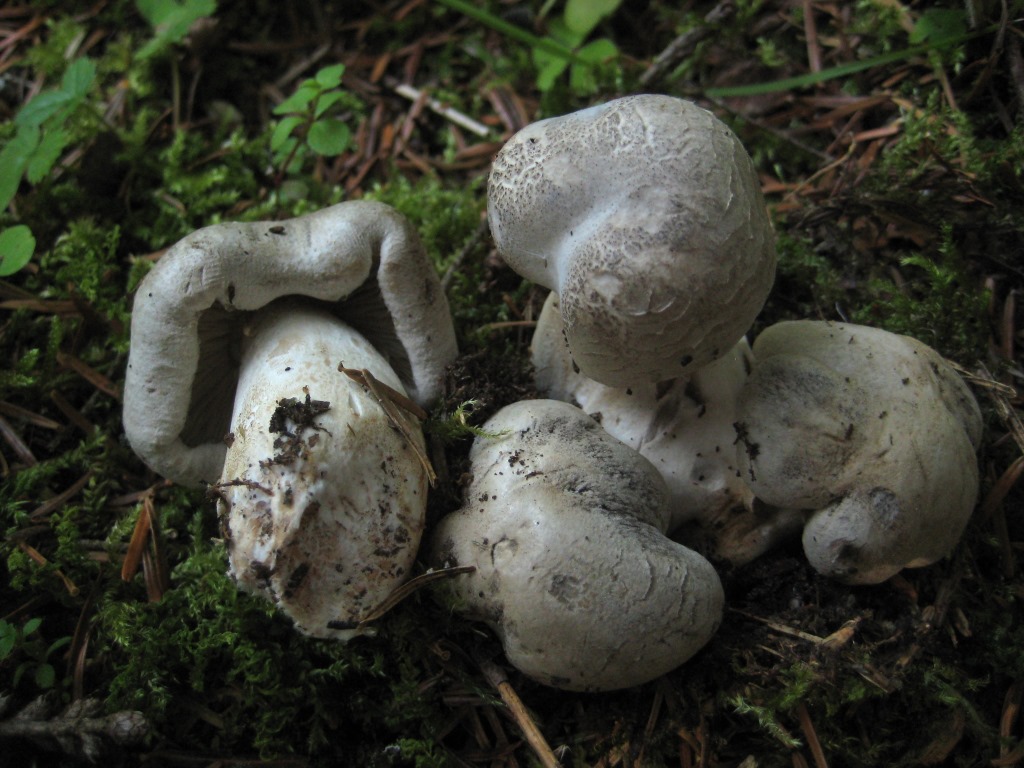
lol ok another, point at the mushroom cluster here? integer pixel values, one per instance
(286, 365)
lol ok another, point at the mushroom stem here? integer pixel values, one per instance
(322, 500)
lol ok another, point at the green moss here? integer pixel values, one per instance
(261, 683)
(940, 304)
(445, 217)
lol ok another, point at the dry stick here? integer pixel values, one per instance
(388, 398)
(811, 735)
(58, 501)
(38, 557)
(13, 439)
(811, 33)
(137, 544)
(301, 66)
(90, 374)
(1012, 757)
(79, 648)
(411, 586)
(72, 413)
(453, 115)
(1011, 709)
(35, 419)
(497, 678)
(781, 628)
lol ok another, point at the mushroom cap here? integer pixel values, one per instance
(645, 215)
(322, 500)
(873, 431)
(565, 526)
(362, 260)
(684, 426)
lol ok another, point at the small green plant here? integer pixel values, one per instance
(41, 135)
(171, 21)
(27, 641)
(578, 20)
(563, 48)
(457, 426)
(310, 119)
(937, 305)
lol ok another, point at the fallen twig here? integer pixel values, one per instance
(497, 678)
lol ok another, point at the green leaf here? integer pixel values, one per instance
(46, 154)
(78, 78)
(327, 101)
(598, 51)
(56, 645)
(583, 15)
(300, 100)
(283, 130)
(549, 68)
(14, 159)
(171, 20)
(8, 636)
(42, 107)
(46, 676)
(17, 244)
(940, 26)
(582, 77)
(32, 624)
(330, 77)
(329, 137)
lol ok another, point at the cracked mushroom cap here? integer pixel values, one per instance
(361, 260)
(684, 426)
(645, 215)
(872, 432)
(565, 526)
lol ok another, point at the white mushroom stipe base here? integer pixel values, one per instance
(872, 433)
(565, 526)
(645, 216)
(322, 500)
(684, 426)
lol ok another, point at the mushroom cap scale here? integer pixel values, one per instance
(362, 260)
(565, 526)
(873, 432)
(322, 499)
(645, 215)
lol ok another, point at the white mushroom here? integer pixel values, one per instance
(566, 528)
(683, 426)
(873, 432)
(645, 215)
(361, 260)
(233, 380)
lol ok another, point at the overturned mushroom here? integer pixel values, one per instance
(233, 380)
(645, 216)
(683, 426)
(872, 433)
(565, 526)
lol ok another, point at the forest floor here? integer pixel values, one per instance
(889, 141)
